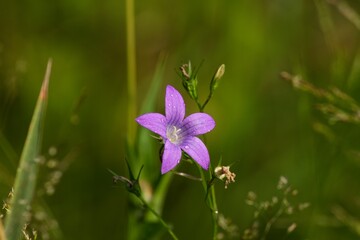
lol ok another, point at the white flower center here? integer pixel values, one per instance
(173, 134)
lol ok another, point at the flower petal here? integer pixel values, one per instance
(196, 124)
(155, 122)
(197, 150)
(171, 157)
(174, 106)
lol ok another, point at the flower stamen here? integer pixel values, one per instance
(172, 134)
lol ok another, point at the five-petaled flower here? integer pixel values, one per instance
(179, 133)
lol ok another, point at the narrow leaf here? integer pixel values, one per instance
(2, 232)
(145, 154)
(27, 171)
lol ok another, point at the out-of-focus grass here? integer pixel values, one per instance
(2, 232)
(263, 125)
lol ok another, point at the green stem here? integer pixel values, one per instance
(198, 104)
(168, 228)
(131, 71)
(211, 200)
(204, 182)
(214, 208)
(271, 222)
(201, 108)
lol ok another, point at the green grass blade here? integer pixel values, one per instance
(2, 232)
(151, 97)
(146, 154)
(26, 176)
(145, 139)
(131, 70)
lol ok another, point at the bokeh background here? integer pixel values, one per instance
(265, 127)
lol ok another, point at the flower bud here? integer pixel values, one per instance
(189, 80)
(217, 76)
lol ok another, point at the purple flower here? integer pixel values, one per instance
(179, 133)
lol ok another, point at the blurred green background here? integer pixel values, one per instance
(265, 128)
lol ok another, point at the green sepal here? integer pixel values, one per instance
(132, 185)
(189, 79)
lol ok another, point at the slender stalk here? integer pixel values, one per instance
(204, 182)
(25, 181)
(272, 221)
(131, 71)
(201, 108)
(2, 232)
(347, 11)
(211, 201)
(212, 197)
(214, 208)
(199, 105)
(168, 228)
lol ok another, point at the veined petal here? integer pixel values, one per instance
(197, 150)
(174, 106)
(197, 123)
(155, 122)
(171, 157)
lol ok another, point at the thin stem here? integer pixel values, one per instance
(131, 70)
(211, 201)
(204, 182)
(188, 176)
(168, 228)
(271, 222)
(199, 105)
(201, 108)
(214, 208)
(347, 12)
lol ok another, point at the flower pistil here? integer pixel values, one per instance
(173, 134)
